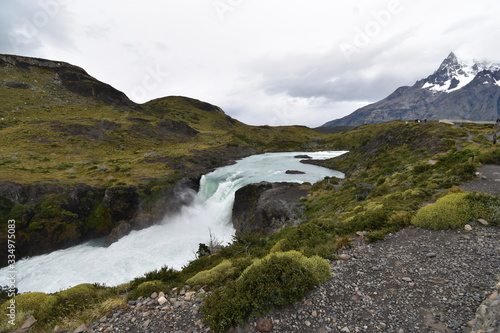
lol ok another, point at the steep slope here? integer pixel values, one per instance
(456, 90)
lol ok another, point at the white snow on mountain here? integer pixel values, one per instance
(454, 74)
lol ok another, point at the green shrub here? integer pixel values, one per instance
(485, 206)
(145, 289)
(449, 212)
(38, 304)
(490, 157)
(218, 274)
(164, 274)
(99, 220)
(275, 281)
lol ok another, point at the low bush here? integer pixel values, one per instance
(490, 157)
(275, 281)
(40, 305)
(216, 275)
(449, 212)
(485, 206)
(145, 289)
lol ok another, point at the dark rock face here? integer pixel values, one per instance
(98, 131)
(267, 207)
(169, 126)
(73, 78)
(52, 216)
(148, 212)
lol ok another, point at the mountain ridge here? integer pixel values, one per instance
(456, 90)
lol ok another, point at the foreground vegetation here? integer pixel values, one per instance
(397, 175)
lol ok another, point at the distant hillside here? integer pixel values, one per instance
(457, 91)
(58, 122)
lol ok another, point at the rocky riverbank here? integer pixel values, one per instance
(414, 281)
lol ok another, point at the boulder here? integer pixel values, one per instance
(267, 207)
(294, 172)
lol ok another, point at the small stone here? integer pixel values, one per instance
(407, 279)
(468, 227)
(344, 256)
(264, 325)
(154, 295)
(188, 295)
(314, 314)
(161, 294)
(308, 323)
(162, 300)
(483, 221)
(345, 329)
(80, 329)
(103, 319)
(28, 322)
(133, 319)
(146, 323)
(431, 255)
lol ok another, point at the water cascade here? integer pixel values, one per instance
(175, 240)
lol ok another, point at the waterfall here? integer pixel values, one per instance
(175, 240)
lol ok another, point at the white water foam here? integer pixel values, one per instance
(172, 243)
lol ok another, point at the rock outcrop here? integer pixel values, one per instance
(267, 207)
(73, 78)
(51, 216)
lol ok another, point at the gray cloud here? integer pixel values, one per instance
(260, 60)
(30, 25)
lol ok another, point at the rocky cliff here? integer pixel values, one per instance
(73, 78)
(51, 216)
(267, 207)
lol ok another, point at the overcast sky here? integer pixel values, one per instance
(275, 62)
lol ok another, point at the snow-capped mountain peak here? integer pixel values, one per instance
(454, 74)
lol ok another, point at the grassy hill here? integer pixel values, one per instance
(56, 122)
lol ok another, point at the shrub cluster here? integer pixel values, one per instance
(277, 280)
(49, 309)
(449, 212)
(457, 209)
(147, 288)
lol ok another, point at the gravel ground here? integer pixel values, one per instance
(487, 182)
(414, 281)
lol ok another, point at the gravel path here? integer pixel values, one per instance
(414, 281)
(487, 182)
